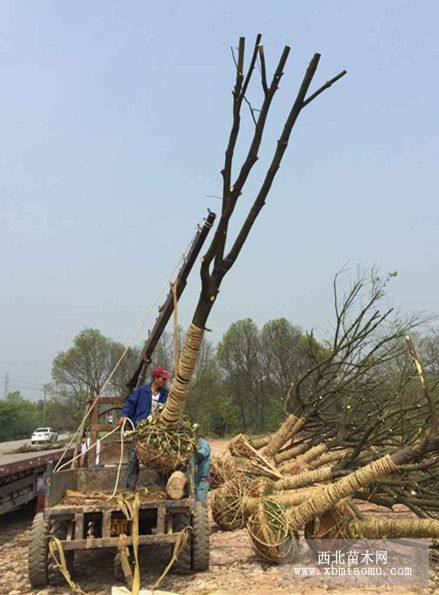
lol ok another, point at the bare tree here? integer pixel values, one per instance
(218, 260)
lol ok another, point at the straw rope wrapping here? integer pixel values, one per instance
(303, 479)
(302, 461)
(241, 447)
(376, 528)
(327, 497)
(171, 413)
(332, 524)
(259, 441)
(291, 452)
(288, 498)
(329, 457)
(281, 436)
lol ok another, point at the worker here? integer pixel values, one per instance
(85, 443)
(202, 479)
(145, 400)
(141, 402)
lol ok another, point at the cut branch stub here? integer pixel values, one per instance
(259, 442)
(281, 436)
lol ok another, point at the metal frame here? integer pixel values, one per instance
(159, 513)
(96, 426)
(163, 511)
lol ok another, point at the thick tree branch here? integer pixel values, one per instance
(216, 247)
(252, 155)
(275, 164)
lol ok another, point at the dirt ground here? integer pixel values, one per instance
(233, 568)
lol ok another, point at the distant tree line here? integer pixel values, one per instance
(254, 376)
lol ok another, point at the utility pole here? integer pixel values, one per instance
(6, 384)
(44, 404)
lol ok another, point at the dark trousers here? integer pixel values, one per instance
(133, 469)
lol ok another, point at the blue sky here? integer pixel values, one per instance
(114, 123)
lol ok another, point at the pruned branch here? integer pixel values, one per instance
(433, 413)
(324, 87)
(275, 164)
(211, 276)
(263, 68)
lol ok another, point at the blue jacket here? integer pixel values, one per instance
(139, 403)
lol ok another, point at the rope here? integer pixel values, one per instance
(122, 436)
(175, 318)
(180, 542)
(60, 562)
(130, 342)
(123, 557)
(86, 450)
(131, 511)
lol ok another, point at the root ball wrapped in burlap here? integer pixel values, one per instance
(268, 531)
(164, 449)
(226, 503)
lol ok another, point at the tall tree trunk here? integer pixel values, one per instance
(216, 263)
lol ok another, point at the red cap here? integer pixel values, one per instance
(160, 373)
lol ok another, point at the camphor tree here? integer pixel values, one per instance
(317, 493)
(351, 408)
(220, 258)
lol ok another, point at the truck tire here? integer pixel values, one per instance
(200, 537)
(183, 563)
(38, 552)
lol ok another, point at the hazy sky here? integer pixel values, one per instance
(114, 121)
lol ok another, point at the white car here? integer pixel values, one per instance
(43, 435)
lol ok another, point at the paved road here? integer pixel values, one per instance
(14, 444)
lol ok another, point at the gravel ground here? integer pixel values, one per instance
(233, 569)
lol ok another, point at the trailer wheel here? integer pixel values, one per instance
(183, 563)
(38, 552)
(41, 571)
(59, 529)
(200, 537)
